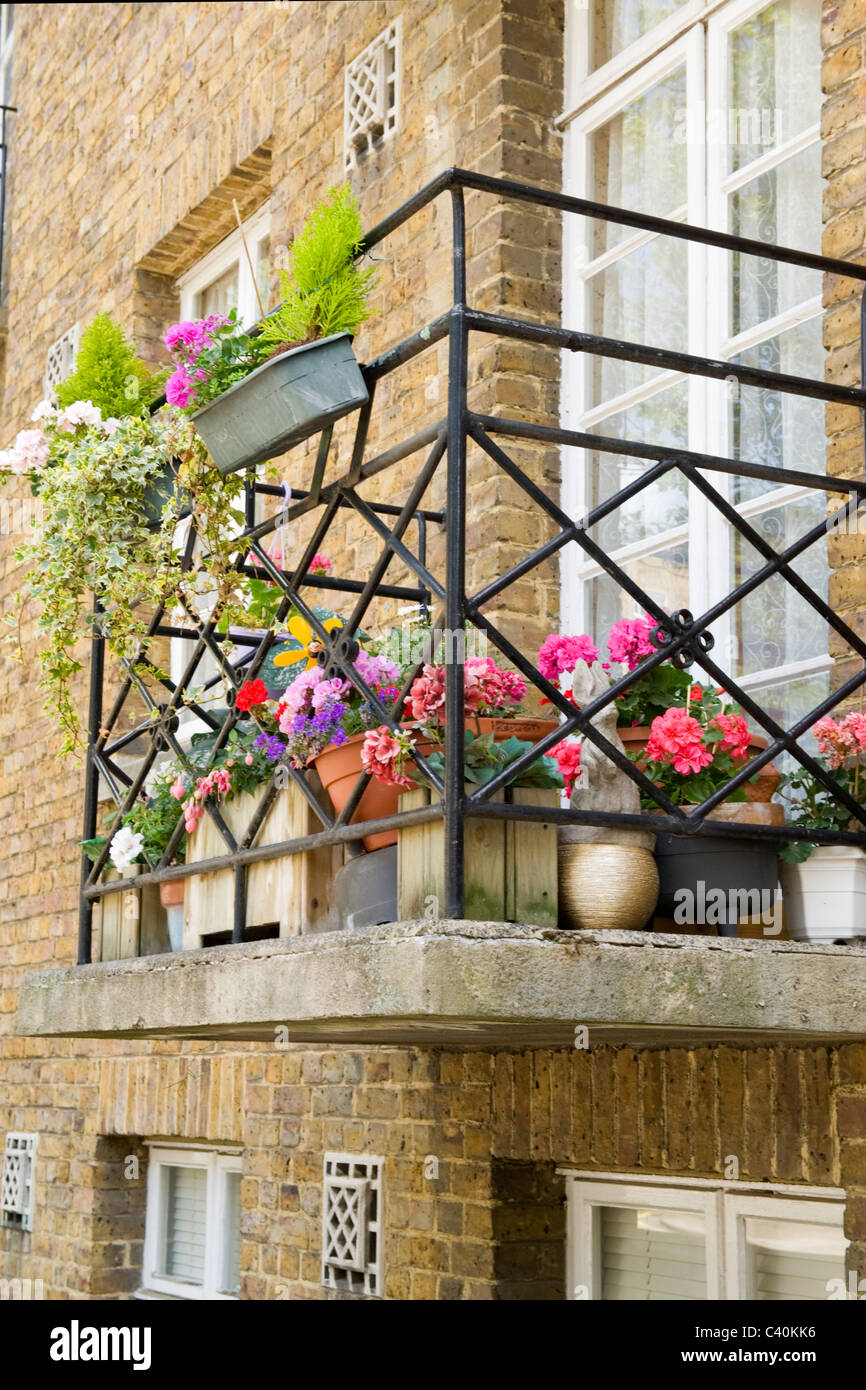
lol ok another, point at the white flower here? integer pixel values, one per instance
(110, 425)
(125, 847)
(79, 413)
(30, 451)
(44, 411)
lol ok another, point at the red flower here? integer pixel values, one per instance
(250, 694)
(567, 755)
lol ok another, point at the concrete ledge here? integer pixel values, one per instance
(469, 983)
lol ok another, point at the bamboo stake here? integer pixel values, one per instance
(249, 258)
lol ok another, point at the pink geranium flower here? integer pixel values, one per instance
(559, 654)
(676, 738)
(736, 734)
(179, 389)
(629, 640)
(567, 755)
(383, 754)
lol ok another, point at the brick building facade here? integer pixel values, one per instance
(121, 178)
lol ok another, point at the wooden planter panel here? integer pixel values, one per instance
(294, 893)
(510, 866)
(129, 922)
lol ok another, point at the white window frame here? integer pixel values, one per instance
(216, 1162)
(696, 35)
(724, 1205)
(229, 252)
(7, 47)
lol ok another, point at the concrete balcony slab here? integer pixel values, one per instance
(465, 983)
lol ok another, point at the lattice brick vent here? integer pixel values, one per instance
(61, 359)
(352, 1223)
(372, 94)
(16, 1189)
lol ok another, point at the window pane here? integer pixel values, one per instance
(617, 23)
(185, 1223)
(637, 161)
(778, 429)
(783, 206)
(774, 77)
(664, 576)
(663, 419)
(221, 295)
(652, 1255)
(642, 298)
(792, 1260)
(774, 625)
(231, 1276)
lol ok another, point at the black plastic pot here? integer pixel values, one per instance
(718, 863)
(282, 402)
(160, 490)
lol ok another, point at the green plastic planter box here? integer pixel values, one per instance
(282, 402)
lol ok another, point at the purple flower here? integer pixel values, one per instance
(272, 746)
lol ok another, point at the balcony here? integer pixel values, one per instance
(267, 941)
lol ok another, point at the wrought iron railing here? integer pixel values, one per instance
(685, 639)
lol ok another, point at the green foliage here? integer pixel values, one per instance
(652, 694)
(483, 759)
(813, 807)
(324, 291)
(109, 374)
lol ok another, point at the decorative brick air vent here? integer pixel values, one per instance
(61, 359)
(372, 95)
(352, 1223)
(16, 1190)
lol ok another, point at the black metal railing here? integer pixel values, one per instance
(685, 639)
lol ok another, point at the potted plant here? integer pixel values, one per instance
(103, 528)
(252, 395)
(824, 886)
(650, 695)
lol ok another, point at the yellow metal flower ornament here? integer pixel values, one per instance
(308, 642)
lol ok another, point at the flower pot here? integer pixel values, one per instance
(825, 896)
(339, 769)
(529, 730)
(160, 490)
(741, 875)
(366, 890)
(606, 886)
(634, 738)
(282, 402)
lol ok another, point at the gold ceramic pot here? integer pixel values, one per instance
(607, 887)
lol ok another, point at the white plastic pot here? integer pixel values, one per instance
(825, 896)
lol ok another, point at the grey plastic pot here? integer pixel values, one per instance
(366, 889)
(282, 402)
(733, 866)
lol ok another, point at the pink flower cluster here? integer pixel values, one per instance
(839, 740)
(629, 642)
(736, 733)
(677, 738)
(559, 654)
(186, 340)
(216, 783)
(567, 755)
(486, 688)
(320, 564)
(308, 690)
(376, 670)
(28, 454)
(383, 754)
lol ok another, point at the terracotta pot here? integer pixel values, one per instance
(340, 768)
(171, 893)
(635, 736)
(530, 730)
